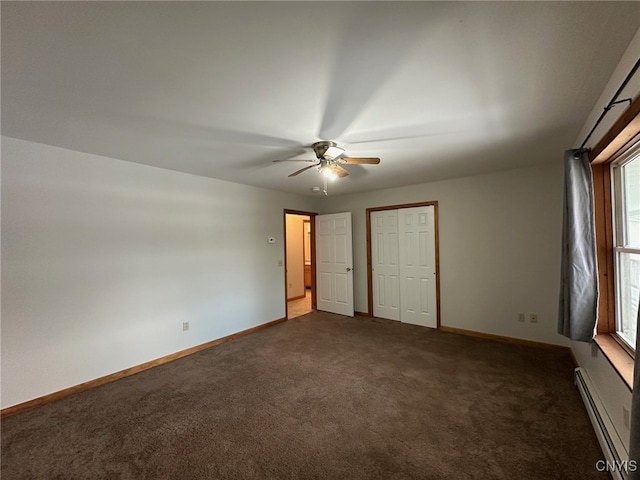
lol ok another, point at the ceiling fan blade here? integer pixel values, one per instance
(333, 152)
(341, 172)
(301, 170)
(360, 160)
(292, 160)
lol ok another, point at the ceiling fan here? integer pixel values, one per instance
(330, 160)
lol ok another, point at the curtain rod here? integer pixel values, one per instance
(614, 101)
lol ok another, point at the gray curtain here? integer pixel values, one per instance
(579, 269)
(634, 439)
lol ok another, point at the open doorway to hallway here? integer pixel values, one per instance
(299, 262)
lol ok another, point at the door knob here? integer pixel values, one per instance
(349, 269)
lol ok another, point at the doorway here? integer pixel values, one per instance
(299, 263)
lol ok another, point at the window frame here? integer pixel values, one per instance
(621, 138)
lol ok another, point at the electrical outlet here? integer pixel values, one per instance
(533, 318)
(185, 326)
(521, 317)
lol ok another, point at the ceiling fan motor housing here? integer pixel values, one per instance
(321, 150)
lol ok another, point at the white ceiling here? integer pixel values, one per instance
(220, 89)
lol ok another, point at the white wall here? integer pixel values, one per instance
(611, 389)
(499, 247)
(295, 256)
(102, 261)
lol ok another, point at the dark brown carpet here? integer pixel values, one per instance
(321, 397)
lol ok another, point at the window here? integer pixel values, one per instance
(625, 174)
(615, 163)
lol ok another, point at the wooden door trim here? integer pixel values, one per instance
(312, 222)
(304, 259)
(436, 232)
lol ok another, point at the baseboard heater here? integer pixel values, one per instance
(616, 455)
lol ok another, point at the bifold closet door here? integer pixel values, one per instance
(384, 264)
(403, 263)
(417, 258)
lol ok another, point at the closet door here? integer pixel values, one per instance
(417, 268)
(384, 264)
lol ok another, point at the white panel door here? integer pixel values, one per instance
(334, 263)
(384, 264)
(417, 266)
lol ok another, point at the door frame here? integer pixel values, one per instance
(433, 204)
(312, 224)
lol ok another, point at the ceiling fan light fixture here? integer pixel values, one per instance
(328, 173)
